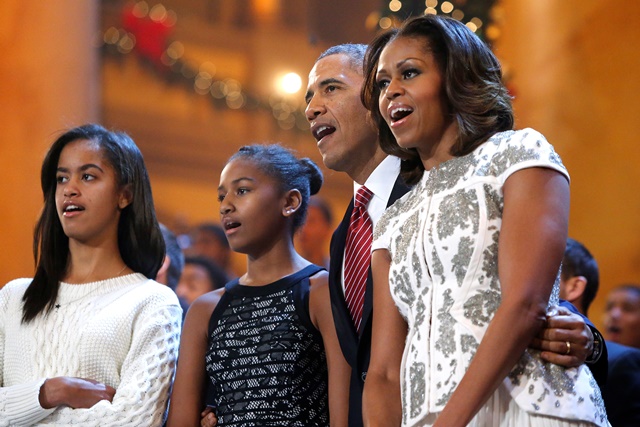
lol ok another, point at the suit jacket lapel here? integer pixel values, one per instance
(342, 317)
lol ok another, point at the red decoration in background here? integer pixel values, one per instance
(152, 36)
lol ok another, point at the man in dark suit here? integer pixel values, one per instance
(579, 281)
(348, 142)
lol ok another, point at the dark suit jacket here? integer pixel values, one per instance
(622, 392)
(355, 347)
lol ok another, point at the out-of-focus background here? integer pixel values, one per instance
(192, 80)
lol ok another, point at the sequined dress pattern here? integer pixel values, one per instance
(443, 240)
(265, 359)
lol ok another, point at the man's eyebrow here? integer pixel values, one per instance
(329, 81)
(323, 83)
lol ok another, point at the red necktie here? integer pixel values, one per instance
(358, 255)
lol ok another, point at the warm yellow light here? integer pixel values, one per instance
(175, 50)
(140, 9)
(265, 8)
(395, 5)
(171, 18)
(385, 23)
(235, 100)
(372, 20)
(209, 68)
(158, 13)
(477, 22)
(202, 83)
(126, 43)
(457, 14)
(430, 11)
(431, 3)
(493, 32)
(291, 83)
(111, 36)
(219, 90)
(470, 25)
(446, 7)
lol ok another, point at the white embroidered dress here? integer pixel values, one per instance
(443, 241)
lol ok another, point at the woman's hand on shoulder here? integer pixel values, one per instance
(73, 392)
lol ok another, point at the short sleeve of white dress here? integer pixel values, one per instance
(524, 149)
(388, 223)
(381, 235)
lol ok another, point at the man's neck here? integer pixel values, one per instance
(364, 172)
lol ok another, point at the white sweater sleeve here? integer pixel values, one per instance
(146, 377)
(19, 404)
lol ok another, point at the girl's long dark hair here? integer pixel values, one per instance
(139, 237)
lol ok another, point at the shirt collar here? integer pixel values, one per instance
(382, 179)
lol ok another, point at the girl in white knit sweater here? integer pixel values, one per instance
(90, 340)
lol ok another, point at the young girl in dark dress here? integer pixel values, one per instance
(265, 344)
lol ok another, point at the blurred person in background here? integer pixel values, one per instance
(312, 239)
(208, 240)
(199, 276)
(172, 265)
(622, 315)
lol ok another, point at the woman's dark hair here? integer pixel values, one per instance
(139, 238)
(217, 275)
(472, 86)
(291, 172)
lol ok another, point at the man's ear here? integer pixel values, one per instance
(292, 202)
(161, 277)
(126, 197)
(574, 288)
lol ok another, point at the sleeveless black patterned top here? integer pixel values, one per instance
(266, 360)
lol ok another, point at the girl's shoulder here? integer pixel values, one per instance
(319, 285)
(319, 299)
(321, 278)
(15, 288)
(148, 291)
(203, 306)
(16, 285)
(11, 293)
(210, 299)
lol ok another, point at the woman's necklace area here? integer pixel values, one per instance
(58, 305)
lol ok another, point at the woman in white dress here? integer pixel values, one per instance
(466, 264)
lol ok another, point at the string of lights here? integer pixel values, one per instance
(146, 32)
(479, 15)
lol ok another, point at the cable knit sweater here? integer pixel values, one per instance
(123, 332)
